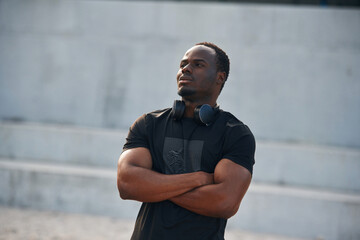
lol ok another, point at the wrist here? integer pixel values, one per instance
(203, 178)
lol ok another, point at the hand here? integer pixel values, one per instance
(205, 178)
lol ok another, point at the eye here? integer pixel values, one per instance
(199, 63)
(183, 64)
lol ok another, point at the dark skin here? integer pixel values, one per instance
(217, 194)
(197, 79)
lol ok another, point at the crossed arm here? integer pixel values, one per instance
(214, 195)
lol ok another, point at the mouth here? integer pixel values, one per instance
(185, 79)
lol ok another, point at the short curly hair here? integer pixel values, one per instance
(222, 59)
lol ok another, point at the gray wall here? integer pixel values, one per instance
(75, 74)
(294, 71)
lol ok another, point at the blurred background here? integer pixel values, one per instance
(74, 75)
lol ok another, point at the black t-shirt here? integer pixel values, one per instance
(184, 146)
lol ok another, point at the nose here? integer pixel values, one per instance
(186, 69)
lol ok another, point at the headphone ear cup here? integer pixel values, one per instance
(178, 109)
(205, 114)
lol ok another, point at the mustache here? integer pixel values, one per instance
(185, 77)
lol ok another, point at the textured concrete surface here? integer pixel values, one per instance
(83, 71)
(276, 209)
(20, 224)
(283, 163)
(294, 70)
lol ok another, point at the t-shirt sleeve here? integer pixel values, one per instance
(239, 147)
(137, 136)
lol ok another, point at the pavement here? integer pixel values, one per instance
(30, 224)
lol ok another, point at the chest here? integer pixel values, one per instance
(184, 146)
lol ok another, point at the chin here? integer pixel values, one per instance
(184, 92)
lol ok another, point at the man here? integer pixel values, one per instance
(190, 165)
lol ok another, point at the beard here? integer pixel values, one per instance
(185, 92)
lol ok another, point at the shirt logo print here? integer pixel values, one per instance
(176, 161)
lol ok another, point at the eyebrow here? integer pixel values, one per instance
(194, 60)
(199, 60)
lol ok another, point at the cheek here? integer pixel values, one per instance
(178, 74)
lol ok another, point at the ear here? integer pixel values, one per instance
(220, 78)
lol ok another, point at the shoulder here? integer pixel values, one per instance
(239, 142)
(151, 119)
(232, 123)
(143, 127)
(159, 113)
(156, 116)
(236, 131)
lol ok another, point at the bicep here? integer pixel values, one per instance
(130, 160)
(233, 178)
(139, 157)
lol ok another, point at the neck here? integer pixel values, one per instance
(191, 105)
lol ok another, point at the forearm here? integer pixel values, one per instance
(210, 200)
(145, 185)
(221, 199)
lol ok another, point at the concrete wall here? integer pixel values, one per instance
(301, 213)
(297, 190)
(294, 71)
(75, 74)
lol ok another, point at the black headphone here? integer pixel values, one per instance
(203, 114)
